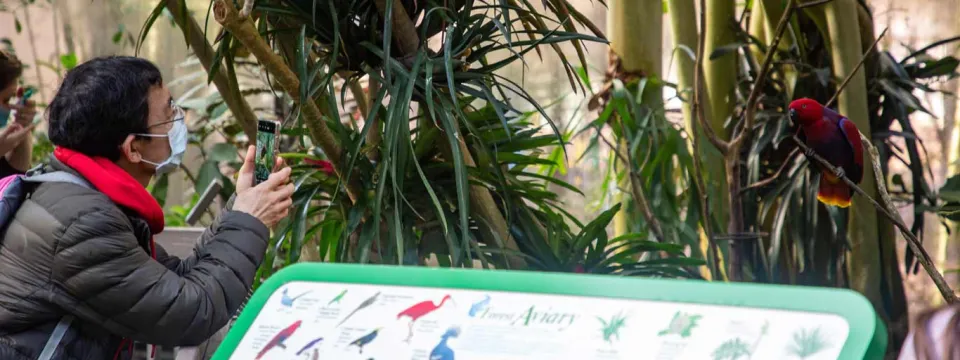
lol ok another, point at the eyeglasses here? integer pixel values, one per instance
(178, 115)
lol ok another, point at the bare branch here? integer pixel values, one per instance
(776, 175)
(406, 36)
(751, 108)
(637, 189)
(855, 69)
(890, 212)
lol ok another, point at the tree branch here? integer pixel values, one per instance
(751, 108)
(405, 33)
(776, 175)
(201, 48)
(243, 29)
(698, 112)
(855, 69)
(889, 211)
(637, 189)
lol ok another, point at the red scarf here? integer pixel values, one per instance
(117, 184)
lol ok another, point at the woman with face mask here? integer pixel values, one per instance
(16, 118)
(88, 252)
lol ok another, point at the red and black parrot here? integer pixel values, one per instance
(836, 139)
(279, 339)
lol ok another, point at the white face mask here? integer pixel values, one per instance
(177, 137)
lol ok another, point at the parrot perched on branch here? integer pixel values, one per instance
(836, 139)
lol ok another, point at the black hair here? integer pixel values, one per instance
(100, 103)
(10, 69)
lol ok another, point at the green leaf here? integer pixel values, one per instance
(69, 61)
(16, 25)
(159, 189)
(223, 152)
(118, 36)
(940, 67)
(209, 172)
(147, 25)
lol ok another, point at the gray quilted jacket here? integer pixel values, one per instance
(70, 250)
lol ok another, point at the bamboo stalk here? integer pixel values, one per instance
(682, 12)
(243, 29)
(698, 111)
(866, 266)
(720, 73)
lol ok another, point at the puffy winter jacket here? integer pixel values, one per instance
(70, 250)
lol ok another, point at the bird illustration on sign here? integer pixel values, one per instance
(365, 340)
(366, 303)
(420, 310)
(287, 300)
(336, 300)
(442, 351)
(279, 339)
(309, 345)
(479, 306)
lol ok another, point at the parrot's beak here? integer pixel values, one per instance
(793, 115)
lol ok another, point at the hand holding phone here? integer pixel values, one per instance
(268, 201)
(26, 113)
(24, 96)
(268, 133)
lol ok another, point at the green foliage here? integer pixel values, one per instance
(949, 194)
(804, 241)
(611, 329)
(662, 162)
(435, 108)
(732, 349)
(806, 343)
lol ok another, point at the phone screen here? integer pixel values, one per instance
(266, 146)
(26, 96)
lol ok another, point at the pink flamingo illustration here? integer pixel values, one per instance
(420, 310)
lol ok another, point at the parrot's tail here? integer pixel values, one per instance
(833, 191)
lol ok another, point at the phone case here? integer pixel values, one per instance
(264, 165)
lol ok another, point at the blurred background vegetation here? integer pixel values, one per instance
(553, 135)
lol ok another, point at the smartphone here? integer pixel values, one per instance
(26, 96)
(23, 101)
(268, 133)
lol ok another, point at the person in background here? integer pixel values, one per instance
(935, 336)
(87, 253)
(16, 142)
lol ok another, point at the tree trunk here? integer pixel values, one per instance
(720, 76)
(721, 72)
(639, 48)
(683, 22)
(873, 263)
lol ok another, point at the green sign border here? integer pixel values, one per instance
(867, 338)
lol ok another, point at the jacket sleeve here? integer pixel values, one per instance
(120, 287)
(179, 265)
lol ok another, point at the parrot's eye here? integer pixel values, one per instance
(804, 106)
